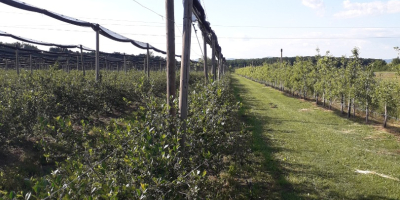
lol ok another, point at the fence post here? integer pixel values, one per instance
(171, 64)
(16, 58)
(205, 57)
(97, 60)
(148, 62)
(30, 62)
(213, 58)
(83, 64)
(125, 64)
(68, 64)
(185, 62)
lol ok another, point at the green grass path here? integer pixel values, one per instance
(311, 153)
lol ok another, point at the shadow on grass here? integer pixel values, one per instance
(268, 174)
(359, 118)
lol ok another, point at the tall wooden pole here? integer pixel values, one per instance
(83, 65)
(147, 62)
(219, 67)
(185, 63)
(16, 59)
(30, 62)
(125, 64)
(205, 57)
(68, 64)
(223, 67)
(171, 64)
(97, 60)
(214, 70)
(281, 56)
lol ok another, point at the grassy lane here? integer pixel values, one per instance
(306, 152)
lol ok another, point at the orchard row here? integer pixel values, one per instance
(352, 84)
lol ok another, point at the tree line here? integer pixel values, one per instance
(349, 81)
(380, 65)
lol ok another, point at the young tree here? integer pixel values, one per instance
(352, 70)
(386, 94)
(364, 88)
(342, 84)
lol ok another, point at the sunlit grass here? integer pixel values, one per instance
(312, 153)
(392, 76)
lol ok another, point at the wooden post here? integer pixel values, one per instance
(205, 56)
(213, 59)
(77, 63)
(83, 64)
(171, 64)
(281, 56)
(106, 64)
(144, 66)
(16, 59)
(68, 64)
(223, 67)
(185, 62)
(218, 67)
(97, 60)
(30, 62)
(6, 64)
(148, 63)
(125, 64)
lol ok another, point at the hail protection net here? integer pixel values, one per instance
(102, 30)
(2, 33)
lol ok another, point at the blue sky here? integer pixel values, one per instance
(246, 29)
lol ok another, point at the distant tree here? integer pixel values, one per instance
(386, 94)
(380, 65)
(28, 46)
(364, 88)
(59, 50)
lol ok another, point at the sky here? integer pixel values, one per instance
(245, 29)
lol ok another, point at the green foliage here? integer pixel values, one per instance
(139, 156)
(351, 80)
(308, 153)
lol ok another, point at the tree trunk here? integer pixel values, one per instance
(349, 108)
(316, 98)
(354, 108)
(342, 105)
(330, 103)
(366, 114)
(386, 116)
(323, 99)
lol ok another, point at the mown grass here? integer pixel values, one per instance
(306, 152)
(390, 76)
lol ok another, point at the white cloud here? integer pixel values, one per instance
(314, 4)
(370, 8)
